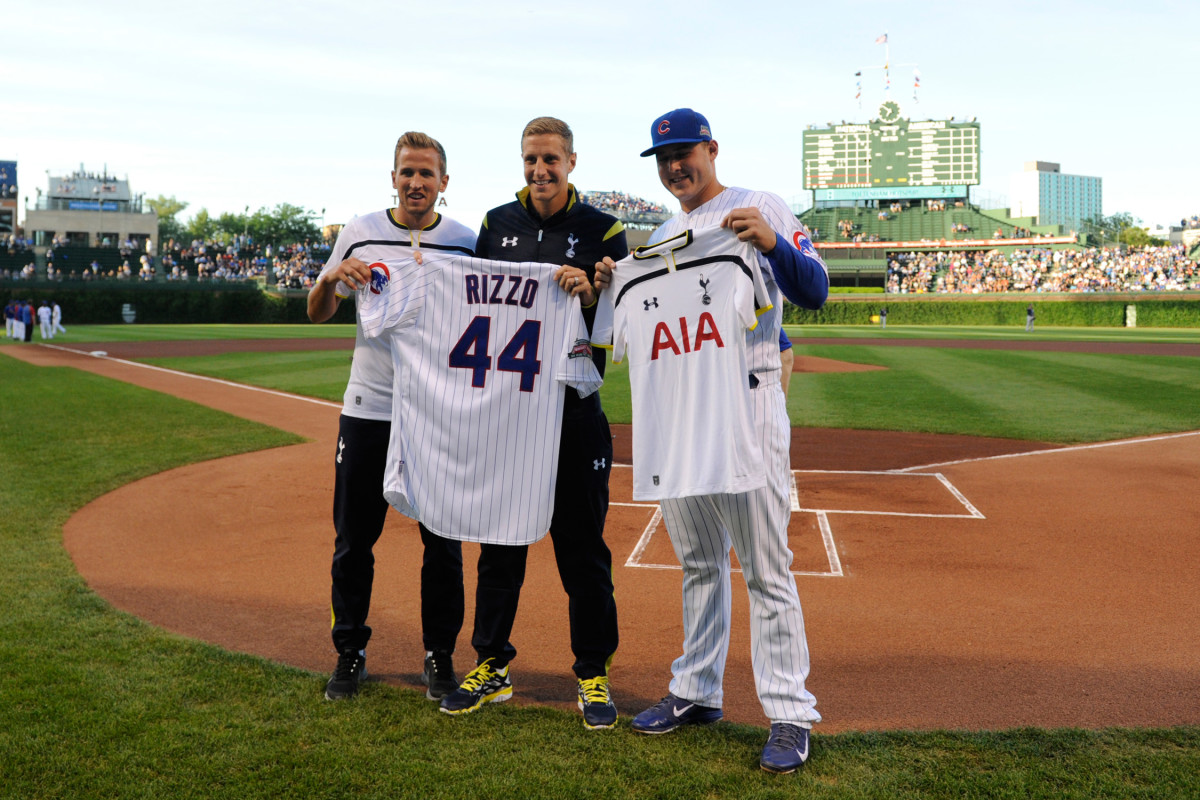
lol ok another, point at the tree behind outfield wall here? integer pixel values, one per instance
(167, 209)
(1120, 228)
(283, 225)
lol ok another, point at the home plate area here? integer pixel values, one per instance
(818, 498)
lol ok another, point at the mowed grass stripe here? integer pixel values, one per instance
(1121, 395)
(318, 373)
(1039, 396)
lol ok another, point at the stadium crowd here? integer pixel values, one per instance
(622, 204)
(294, 266)
(1149, 269)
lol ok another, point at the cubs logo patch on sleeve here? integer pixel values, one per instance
(380, 277)
(803, 243)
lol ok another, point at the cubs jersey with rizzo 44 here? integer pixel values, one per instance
(483, 352)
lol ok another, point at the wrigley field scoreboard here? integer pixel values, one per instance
(891, 157)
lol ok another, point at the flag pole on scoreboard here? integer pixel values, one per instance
(887, 73)
(887, 60)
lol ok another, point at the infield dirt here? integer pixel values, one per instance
(1022, 584)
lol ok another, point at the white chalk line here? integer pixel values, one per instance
(827, 540)
(1052, 451)
(219, 381)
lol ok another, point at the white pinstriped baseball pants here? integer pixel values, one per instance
(702, 529)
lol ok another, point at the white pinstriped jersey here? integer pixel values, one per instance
(763, 341)
(369, 238)
(680, 309)
(483, 353)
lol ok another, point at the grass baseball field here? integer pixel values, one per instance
(95, 703)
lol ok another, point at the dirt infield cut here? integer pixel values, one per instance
(1046, 588)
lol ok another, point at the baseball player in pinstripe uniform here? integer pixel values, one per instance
(359, 507)
(755, 523)
(548, 223)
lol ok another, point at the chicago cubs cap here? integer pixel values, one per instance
(681, 126)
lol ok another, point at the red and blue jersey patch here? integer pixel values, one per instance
(380, 277)
(804, 244)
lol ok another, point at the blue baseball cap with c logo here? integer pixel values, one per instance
(681, 126)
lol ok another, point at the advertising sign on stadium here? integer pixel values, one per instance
(92, 205)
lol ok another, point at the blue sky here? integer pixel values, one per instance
(226, 105)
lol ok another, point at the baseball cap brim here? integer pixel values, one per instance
(651, 151)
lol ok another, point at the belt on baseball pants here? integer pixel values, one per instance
(758, 379)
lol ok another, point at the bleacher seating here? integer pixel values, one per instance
(75, 259)
(14, 260)
(909, 224)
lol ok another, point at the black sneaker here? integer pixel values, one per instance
(351, 670)
(439, 675)
(595, 701)
(484, 684)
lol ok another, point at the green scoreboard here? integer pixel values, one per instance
(892, 157)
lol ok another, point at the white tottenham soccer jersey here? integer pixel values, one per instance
(483, 353)
(763, 341)
(680, 310)
(369, 238)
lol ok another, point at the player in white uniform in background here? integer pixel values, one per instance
(56, 320)
(359, 508)
(43, 315)
(702, 528)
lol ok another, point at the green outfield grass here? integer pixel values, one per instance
(166, 333)
(96, 704)
(1029, 395)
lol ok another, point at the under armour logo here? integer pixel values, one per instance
(507, 242)
(341, 447)
(704, 287)
(651, 303)
(599, 463)
(571, 242)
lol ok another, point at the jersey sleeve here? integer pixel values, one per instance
(602, 326)
(578, 370)
(382, 303)
(801, 273)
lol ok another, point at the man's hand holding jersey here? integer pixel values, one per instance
(575, 281)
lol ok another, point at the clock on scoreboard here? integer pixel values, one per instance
(892, 152)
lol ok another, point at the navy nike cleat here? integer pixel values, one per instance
(786, 749)
(672, 712)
